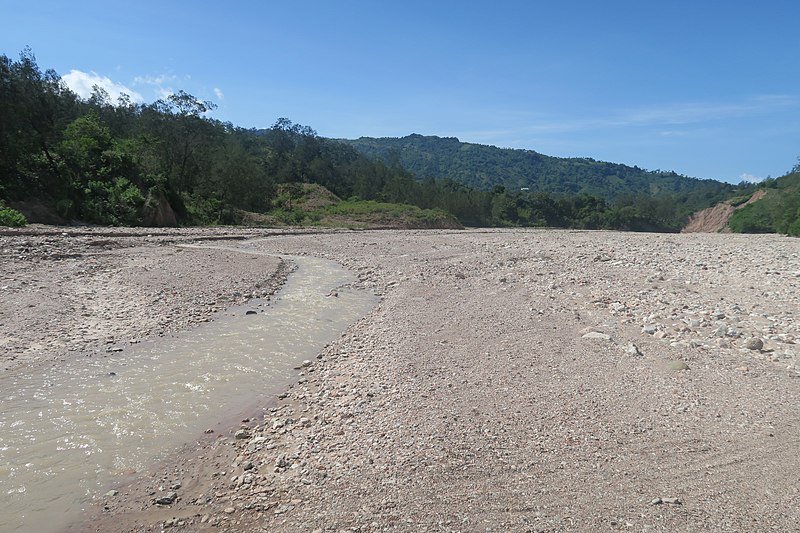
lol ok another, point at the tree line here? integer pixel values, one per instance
(484, 167)
(122, 163)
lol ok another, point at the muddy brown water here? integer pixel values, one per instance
(68, 432)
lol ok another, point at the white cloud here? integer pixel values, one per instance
(83, 83)
(673, 133)
(155, 80)
(164, 92)
(218, 92)
(695, 112)
(161, 84)
(669, 117)
(749, 177)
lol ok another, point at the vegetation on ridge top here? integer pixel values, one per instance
(777, 212)
(66, 159)
(484, 167)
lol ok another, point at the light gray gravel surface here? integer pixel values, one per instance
(73, 292)
(519, 380)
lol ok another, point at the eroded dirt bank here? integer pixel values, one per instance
(518, 381)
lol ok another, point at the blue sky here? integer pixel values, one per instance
(708, 89)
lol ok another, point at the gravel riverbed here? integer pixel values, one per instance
(509, 380)
(75, 292)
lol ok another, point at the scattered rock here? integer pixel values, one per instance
(669, 501)
(597, 335)
(753, 343)
(242, 434)
(633, 350)
(677, 365)
(168, 499)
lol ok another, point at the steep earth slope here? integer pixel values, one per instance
(715, 219)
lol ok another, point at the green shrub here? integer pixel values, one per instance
(203, 211)
(65, 208)
(11, 217)
(115, 203)
(794, 228)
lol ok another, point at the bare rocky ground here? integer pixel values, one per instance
(510, 380)
(69, 292)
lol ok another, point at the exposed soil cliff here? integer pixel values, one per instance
(715, 219)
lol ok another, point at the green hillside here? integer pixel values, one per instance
(777, 212)
(64, 159)
(484, 167)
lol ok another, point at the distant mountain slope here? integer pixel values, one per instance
(484, 167)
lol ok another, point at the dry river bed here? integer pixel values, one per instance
(509, 380)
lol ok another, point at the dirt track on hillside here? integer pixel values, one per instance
(519, 381)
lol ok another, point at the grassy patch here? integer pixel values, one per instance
(313, 205)
(385, 215)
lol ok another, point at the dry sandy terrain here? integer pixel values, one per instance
(508, 381)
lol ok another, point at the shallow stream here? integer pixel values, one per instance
(70, 431)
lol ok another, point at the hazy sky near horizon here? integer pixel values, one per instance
(708, 89)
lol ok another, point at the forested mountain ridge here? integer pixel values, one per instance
(483, 167)
(64, 159)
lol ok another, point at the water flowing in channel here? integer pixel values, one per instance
(66, 432)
